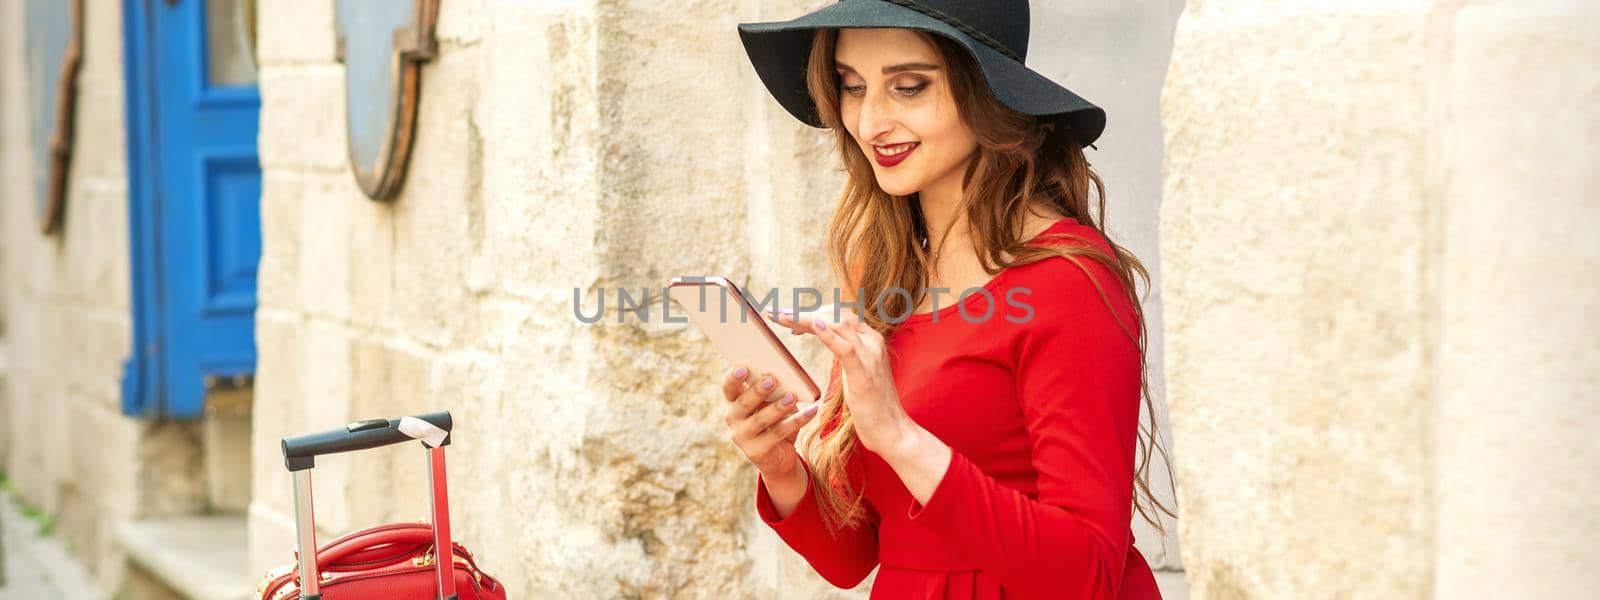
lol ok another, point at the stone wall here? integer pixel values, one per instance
(559, 149)
(69, 451)
(67, 448)
(1517, 272)
(1380, 298)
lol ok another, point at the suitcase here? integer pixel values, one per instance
(397, 561)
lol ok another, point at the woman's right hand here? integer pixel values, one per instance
(763, 421)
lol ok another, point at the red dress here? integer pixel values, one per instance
(1042, 417)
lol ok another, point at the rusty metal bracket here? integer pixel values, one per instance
(379, 158)
(61, 135)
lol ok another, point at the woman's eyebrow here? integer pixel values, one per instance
(913, 66)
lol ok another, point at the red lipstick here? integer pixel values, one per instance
(889, 160)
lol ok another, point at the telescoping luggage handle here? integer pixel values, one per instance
(300, 453)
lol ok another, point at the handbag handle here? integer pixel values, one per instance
(401, 543)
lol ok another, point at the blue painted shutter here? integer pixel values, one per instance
(195, 191)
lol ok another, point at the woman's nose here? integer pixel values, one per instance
(877, 118)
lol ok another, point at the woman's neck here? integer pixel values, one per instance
(941, 203)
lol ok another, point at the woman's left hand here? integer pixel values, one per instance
(881, 423)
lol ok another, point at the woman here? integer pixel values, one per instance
(983, 448)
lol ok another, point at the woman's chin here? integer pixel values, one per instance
(897, 187)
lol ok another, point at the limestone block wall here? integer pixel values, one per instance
(1518, 281)
(1379, 297)
(560, 148)
(67, 448)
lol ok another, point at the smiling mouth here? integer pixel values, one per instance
(892, 154)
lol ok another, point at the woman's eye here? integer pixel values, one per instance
(861, 88)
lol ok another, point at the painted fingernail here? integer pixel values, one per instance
(740, 372)
(809, 410)
(821, 325)
(766, 384)
(787, 399)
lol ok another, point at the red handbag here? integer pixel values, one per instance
(397, 561)
(388, 561)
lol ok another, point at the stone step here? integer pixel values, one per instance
(198, 557)
(38, 566)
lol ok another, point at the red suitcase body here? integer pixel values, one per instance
(397, 561)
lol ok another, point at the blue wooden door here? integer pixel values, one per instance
(194, 198)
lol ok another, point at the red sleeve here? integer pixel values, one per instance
(844, 558)
(1077, 378)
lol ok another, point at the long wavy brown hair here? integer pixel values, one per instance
(875, 244)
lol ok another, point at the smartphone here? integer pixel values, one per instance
(717, 307)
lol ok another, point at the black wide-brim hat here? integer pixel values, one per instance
(994, 31)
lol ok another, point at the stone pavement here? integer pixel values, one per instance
(38, 567)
